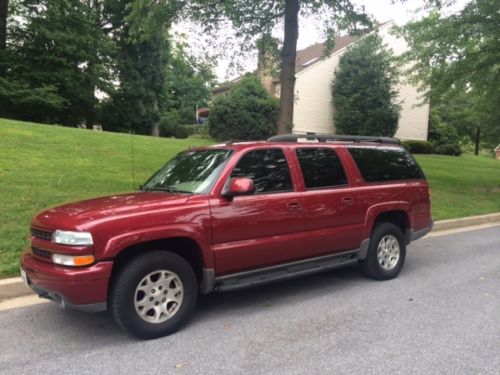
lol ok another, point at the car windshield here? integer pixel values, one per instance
(190, 172)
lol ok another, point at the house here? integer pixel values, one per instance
(313, 110)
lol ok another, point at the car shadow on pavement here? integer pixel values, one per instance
(297, 289)
(49, 321)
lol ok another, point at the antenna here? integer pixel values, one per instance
(133, 160)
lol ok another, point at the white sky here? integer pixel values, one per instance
(309, 33)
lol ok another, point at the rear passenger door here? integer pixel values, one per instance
(264, 228)
(333, 217)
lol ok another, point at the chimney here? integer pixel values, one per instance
(267, 62)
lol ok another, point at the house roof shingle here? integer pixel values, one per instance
(312, 54)
(305, 58)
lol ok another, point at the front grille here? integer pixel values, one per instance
(44, 235)
(41, 253)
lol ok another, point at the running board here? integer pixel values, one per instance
(286, 271)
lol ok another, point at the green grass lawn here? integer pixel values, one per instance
(462, 186)
(43, 166)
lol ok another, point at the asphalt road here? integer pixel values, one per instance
(441, 315)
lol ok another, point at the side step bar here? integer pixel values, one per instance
(284, 271)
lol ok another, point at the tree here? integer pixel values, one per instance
(457, 56)
(247, 112)
(363, 90)
(56, 58)
(140, 30)
(252, 20)
(189, 81)
(4, 7)
(136, 103)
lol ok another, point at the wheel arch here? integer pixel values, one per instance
(397, 217)
(397, 214)
(185, 247)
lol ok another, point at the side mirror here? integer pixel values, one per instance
(239, 186)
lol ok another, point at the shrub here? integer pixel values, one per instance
(247, 112)
(168, 123)
(419, 147)
(448, 149)
(443, 134)
(181, 132)
(201, 131)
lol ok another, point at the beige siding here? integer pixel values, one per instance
(313, 110)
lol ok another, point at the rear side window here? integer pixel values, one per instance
(384, 164)
(321, 168)
(267, 168)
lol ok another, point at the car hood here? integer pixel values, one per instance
(74, 215)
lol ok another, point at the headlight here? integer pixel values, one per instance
(73, 260)
(72, 238)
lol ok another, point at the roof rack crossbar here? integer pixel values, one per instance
(333, 137)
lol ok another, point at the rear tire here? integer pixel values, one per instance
(154, 294)
(386, 253)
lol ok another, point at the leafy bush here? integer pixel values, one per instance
(448, 149)
(199, 130)
(246, 112)
(419, 147)
(168, 123)
(443, 136)
(181, 132)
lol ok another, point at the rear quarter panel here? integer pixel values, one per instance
(410, 196)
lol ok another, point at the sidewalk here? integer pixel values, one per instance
(15, 287)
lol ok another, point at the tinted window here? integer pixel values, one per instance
(382, 164)
(321, 168)
(267, 168)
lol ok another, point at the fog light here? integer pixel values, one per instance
(73, 260)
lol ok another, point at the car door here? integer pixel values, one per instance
(264, 228)
(332, 211)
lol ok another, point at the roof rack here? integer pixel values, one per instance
(332, 137)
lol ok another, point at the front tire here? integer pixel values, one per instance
(154, 294)
(386, 253)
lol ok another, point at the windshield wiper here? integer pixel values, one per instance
(170, 189)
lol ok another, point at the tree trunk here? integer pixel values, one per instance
(155, 128)
(4, 7)
(478, 137)
(285, 119)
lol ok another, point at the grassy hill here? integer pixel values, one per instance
(43, 166)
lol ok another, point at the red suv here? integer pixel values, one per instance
(231, 216)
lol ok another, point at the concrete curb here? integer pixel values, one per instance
(466, 222)
(15, 287)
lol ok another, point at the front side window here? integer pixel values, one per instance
(192, 172)
(321, 168)
(267, 168)
(385, 164)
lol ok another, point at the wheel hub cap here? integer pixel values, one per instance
(388, 252)
(158, 296)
